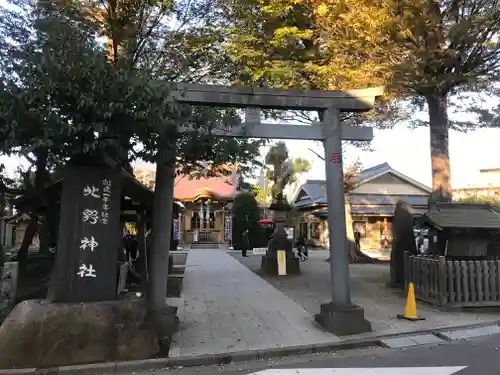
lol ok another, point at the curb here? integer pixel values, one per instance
(226, 358)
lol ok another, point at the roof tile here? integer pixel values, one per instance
(463, 215)
(185, 187)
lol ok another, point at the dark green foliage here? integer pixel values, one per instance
(60, 93)
(246, 215)
(493, 200)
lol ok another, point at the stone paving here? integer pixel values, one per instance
(440, 337)
(369, 289)
(226, 308)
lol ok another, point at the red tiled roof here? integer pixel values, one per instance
(186, 189)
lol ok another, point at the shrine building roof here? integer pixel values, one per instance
(191, 189)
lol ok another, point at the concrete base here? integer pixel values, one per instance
(343, 319)
(41, 334)
(174, 285)
(269, 265)
(166, 323)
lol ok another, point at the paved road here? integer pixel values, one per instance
(471, 357)
(226, 307)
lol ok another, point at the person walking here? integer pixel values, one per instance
(245, 243)
(302, 249)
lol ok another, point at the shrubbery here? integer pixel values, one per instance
(246, 215)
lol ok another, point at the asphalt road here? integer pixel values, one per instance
(471, 357)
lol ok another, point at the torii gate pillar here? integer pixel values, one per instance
(340, 315)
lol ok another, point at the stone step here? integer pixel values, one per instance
(204, 246)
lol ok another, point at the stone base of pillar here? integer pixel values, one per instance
(269, 264)
(166, 323)
(343, 319)
(42, 334)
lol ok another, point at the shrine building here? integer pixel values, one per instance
(207, 208)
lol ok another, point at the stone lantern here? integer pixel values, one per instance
(279, 239)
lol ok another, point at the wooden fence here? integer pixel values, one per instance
(454, 283)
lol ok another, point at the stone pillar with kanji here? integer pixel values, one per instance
(89, 235)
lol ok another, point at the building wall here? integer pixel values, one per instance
(215, 234)
(389, 184)
(371, 229)
(373, 217)
(20, 230)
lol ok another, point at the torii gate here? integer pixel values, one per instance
(340, 315)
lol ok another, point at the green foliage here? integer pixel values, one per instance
(494, 201)
(263, 194)
(435, 53)
(277, 158)
(246, 215)
(60, 93)
(312, 44)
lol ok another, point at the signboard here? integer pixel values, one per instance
(177, 229)
(441, 370)
(289, 233)
(89, 236)
(227, 229)
(259, 250)
(281, 263)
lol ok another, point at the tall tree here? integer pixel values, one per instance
(61, 99)
(436, 53)
(277, 160)
(245, 216)
(174, 41)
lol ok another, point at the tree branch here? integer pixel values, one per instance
(315, 153)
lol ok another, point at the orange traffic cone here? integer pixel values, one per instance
(411, 306)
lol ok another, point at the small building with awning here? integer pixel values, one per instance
(373, 199)
(463, 230)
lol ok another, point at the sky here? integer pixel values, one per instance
(406, 150)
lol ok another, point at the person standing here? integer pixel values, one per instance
(357, 239)
(245, 243)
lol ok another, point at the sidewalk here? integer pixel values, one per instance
(227, 308)
(369, 289)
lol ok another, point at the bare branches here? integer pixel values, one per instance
(315, 153)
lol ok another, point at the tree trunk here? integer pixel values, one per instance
(40, 179)
(440, 153)
(48, 229)
(355, 254)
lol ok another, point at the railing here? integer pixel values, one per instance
(204, 235)
(454, 283)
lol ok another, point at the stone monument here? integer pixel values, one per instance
(82, 321)
(279, 239)
(403, 240)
